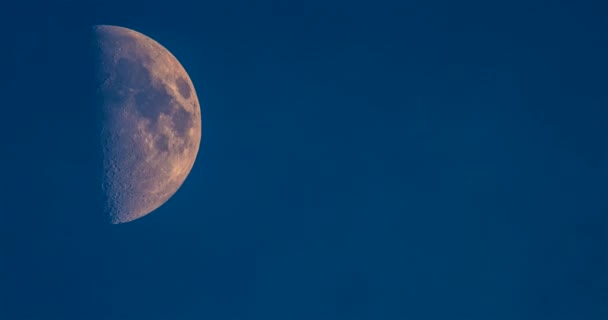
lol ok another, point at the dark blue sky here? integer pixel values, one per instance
(360, 160)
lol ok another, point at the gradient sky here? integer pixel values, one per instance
(360, 160)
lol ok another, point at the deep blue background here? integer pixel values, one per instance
(360, 160)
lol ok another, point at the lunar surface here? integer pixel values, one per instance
(150, 122)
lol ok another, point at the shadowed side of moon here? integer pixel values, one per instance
(150, 122)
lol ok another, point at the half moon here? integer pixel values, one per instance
(150, 122)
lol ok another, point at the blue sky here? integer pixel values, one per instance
(360, 160)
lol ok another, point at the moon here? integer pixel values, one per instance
(150, 128)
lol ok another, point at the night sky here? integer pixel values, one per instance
(360, 160)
